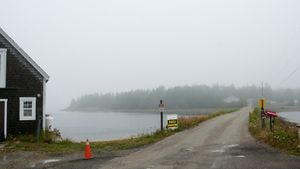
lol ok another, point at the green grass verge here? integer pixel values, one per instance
(28, 143)
(284, 137)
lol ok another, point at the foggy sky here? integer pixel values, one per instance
(111, 46)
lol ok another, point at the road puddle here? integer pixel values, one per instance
(218, 151)
(189, 149)
(50, 161)
(240, 156)
(224, 148)
(231, 145)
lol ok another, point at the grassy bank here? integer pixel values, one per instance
(284, 137)
(47, 145)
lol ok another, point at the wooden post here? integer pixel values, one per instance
(298, 127)
(271, 123)
(161, 121)
(263, 117)
(38, 129)
(161, 109)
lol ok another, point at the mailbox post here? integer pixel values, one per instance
(298, 127)
(272, 116)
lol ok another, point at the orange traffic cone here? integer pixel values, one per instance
(87, 154)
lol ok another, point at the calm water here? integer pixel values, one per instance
(291, 116)
(79, 126)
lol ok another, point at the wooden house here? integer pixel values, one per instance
(22, 90)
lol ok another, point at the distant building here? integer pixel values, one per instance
(232, 99)
(296, 102)
(271, 102)
(22, 90)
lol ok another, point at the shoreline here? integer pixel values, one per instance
(280, 108)
(178, 111)
(287, 109)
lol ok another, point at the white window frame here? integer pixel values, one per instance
(3, 67)
(27, 99)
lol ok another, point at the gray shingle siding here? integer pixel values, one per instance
(22, 80)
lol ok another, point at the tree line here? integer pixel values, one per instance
(182, 97)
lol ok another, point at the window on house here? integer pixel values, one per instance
(27, 108)
(2, 68)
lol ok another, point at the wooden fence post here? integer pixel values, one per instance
(298, 127)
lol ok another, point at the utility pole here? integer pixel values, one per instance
(262, 89)
(262, 111)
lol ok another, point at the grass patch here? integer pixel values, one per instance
(192, 121)
(50, 144)
(284, 137)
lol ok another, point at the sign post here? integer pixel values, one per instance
(262, 105)
(161, 110)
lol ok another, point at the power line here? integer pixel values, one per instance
(289, 60)
(290, 75)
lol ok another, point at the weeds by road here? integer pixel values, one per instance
(284, 137)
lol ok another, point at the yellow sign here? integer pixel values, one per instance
(172, 121)
(262, 103)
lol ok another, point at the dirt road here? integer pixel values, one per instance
(220, 143)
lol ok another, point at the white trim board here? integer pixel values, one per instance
(44, 104)
(3, 67)
(5, 116)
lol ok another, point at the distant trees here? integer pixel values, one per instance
(184, 97)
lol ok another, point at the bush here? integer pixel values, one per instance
(50, 136)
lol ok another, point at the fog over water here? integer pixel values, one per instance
(111, 46)
(105, 125)
(291, 116)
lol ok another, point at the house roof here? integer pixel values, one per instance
(24, 54)
(231, 99)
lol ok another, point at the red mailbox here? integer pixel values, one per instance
(271, 113)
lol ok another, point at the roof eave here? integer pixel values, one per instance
(25, 55)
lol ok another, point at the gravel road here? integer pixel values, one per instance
(220, 143)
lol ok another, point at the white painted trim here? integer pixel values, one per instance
(5, 116)
(44, 104)
(24, 54)
(21, 106)
(3, 68)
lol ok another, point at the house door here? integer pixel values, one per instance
(2, 120)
